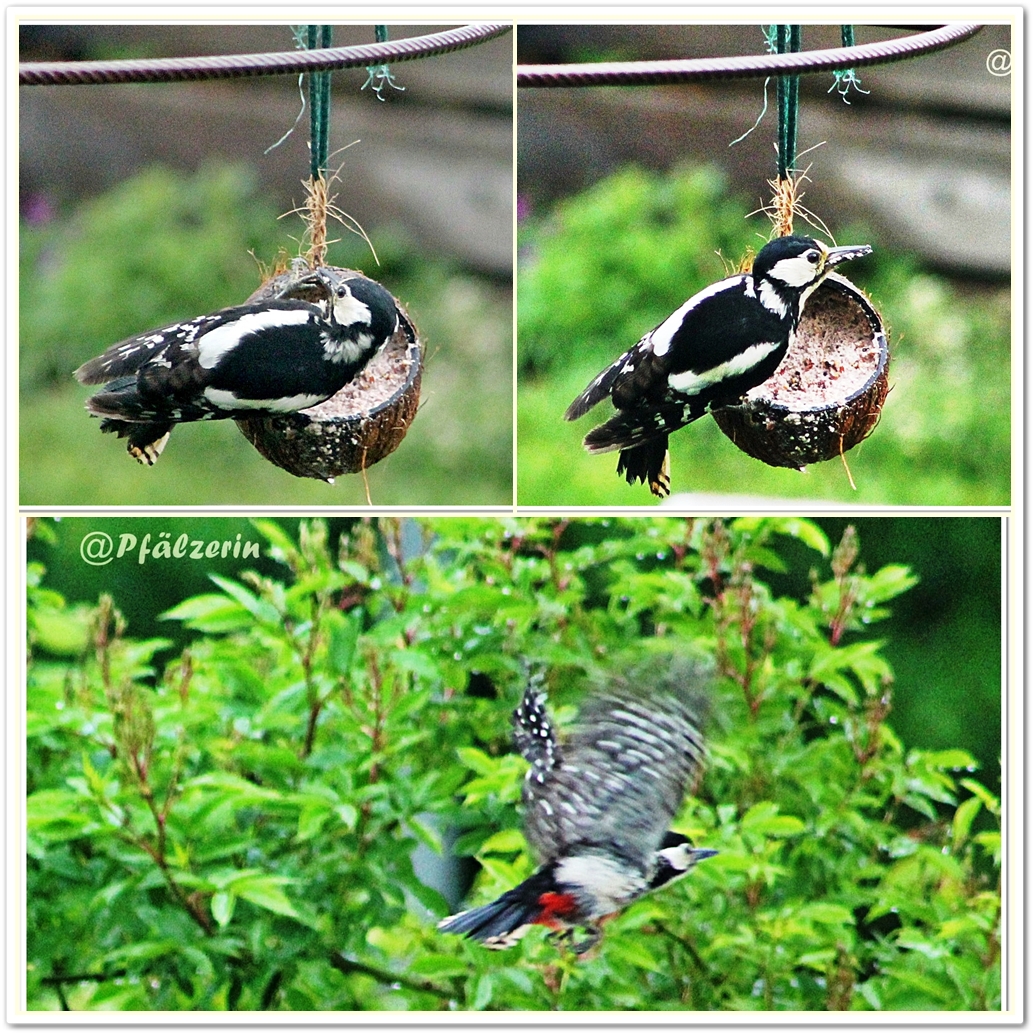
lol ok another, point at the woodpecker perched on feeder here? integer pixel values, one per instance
(720, 343)
(598, 807)
(278, 355)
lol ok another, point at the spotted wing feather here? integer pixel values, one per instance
(533, 731)
(622, 776)
(165, 346)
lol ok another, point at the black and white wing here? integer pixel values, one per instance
(621, 777)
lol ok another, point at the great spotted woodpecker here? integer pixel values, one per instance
(598, 807)
(280, 355)
(723, 341)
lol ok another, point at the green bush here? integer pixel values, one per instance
(607, 265)
(248, 827)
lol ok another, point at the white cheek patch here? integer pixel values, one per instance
(228, 401)
(215, 344)
(351, 310)
(679, 857)
(690, 383)
(661, 338)
(795, 271)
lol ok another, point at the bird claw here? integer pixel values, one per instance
(565, 940)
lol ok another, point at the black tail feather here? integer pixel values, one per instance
(647, 463)
(628, 428)
(494, 922)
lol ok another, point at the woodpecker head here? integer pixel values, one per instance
(788, 269)
(675, 858)
(360, 306)
(352, 302)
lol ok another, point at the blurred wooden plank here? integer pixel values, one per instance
(437, 159)
(924, 157)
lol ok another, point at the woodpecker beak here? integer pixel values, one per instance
(697, 855)
(311, 277)
(844, 254)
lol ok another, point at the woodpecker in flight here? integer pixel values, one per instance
(720, 343)
(278, 355)
(598, 807)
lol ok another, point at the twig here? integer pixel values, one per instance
(349, 965)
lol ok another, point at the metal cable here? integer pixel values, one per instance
(646, 73)
(227, 66)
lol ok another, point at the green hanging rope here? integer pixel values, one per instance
(319, 37)
(788, 41)
(380, 76)
(845, 78)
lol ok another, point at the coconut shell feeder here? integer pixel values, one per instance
(827, 395)
(363, 422)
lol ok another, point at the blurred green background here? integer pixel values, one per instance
(87, 282)
(602, 267)
(943, 640)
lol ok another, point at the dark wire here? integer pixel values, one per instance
(654, 73)
(229, 66)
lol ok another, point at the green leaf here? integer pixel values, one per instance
(861, 659)
(508, 841)
(963, 818)
(818, 960)
(763, 819)
(241, 791)
(210, 613)
(222, 907)
(265, 891)
(56, 815)
(348, 814)
(801, 529)
(950, 759)
(276, 536)
(63, 632)
(439, 965)
(989, 800)
(312, 818)
(888, 582)
(805, 531)
(826, 913)
(501, 871)
(261, 610)
(477, 760)
(483, 992)
(633, 951)
(990, 841)
(345, 631)
(426, 834)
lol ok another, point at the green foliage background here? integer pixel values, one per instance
(255, 825)
(603, 267)
(163, 246)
